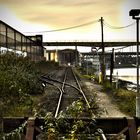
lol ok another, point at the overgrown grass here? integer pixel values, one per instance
(126, 101)
(62, 128)
(124, 98)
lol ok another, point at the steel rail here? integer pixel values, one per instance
(54, 80)
(60, 97)
(62, 89)
(64, 81)
(61, 94)
(80, 89)
(82, 92)
(59, 102)
(79, 86)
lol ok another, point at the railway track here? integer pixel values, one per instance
(68, 90)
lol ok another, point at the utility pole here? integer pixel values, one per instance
(137, 61)
(103, 52)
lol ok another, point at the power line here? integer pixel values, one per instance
(85, 24)
(121, 27)
(67, 28)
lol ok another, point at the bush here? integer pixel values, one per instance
(18, 80)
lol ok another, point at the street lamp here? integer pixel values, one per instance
(135, 15)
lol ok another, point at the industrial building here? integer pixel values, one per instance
(64, 57)
(32, 47)
(13, 40)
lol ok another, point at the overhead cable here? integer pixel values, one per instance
(85, 24)
(115, 27)
(67, 28)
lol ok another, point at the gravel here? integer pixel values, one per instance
(105, 102)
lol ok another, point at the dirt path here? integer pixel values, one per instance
(109, 108)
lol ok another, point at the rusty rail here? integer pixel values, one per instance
(80, 89)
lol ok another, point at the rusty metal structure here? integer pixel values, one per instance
(112, 128)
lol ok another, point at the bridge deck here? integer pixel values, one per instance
(89, 44)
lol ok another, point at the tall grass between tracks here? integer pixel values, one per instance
(74, 129)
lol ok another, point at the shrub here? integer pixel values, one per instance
(18, 80)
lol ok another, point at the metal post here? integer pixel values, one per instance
(117, 80)
(76, 57)
(87, 64)
(137, 63)
(103, 52)
(111, 65)
(98, 65)
(30, 130)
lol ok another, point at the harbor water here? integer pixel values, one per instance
(126, 74)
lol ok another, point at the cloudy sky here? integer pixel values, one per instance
(45, 15)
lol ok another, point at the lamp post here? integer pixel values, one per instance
(135, 15)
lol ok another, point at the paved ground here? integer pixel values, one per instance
(105, 102)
